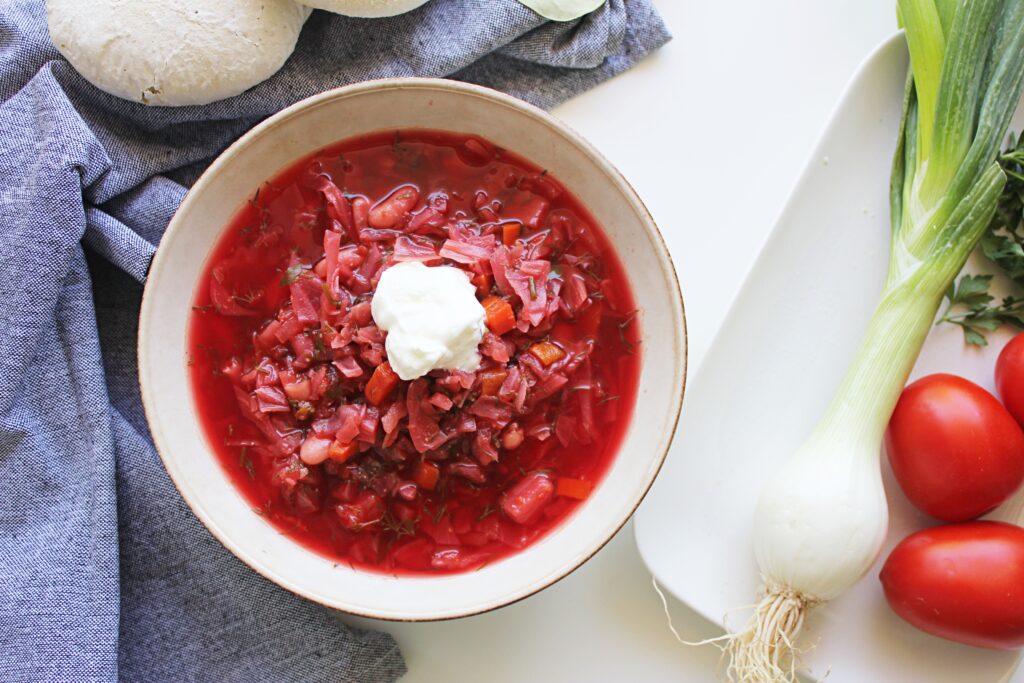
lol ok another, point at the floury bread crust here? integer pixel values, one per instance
(175, 52)
(365, 8)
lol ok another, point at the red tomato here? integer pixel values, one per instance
(1010, 377)
(964, 582)
(954, 449)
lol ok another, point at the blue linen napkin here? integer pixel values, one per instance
(104, 572)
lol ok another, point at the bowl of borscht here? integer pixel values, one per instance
(412, 349)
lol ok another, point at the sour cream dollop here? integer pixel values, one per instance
(432, 318)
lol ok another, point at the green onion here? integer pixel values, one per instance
(821, 520)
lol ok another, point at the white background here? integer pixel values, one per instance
(713, 131)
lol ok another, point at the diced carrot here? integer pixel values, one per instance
(426, 475)
(483, 283)
(342, 452)
(547, 353)
(491, 381)
(510, 232)
(500, 316)
(381, 384)
(573, 488)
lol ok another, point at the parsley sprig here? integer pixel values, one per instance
(971, 306)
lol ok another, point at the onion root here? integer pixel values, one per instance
(765, 650)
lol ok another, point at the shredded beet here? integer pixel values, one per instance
(451, 470)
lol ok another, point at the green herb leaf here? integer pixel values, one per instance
(398, 528)
(246, 462)
(292, 274)
(974, 338)
(978, 314)
(1003, 244)
(439, 513)
(976, 310)
(971, 292)
(318, 343)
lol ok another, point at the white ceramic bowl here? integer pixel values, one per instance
(313, 124)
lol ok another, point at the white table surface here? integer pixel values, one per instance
(713, 131)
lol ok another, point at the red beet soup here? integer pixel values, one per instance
(455, 469)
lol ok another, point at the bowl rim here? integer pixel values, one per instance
(404, 83)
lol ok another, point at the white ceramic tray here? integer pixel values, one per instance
(777, 359)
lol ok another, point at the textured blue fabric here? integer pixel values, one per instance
(104, 572)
